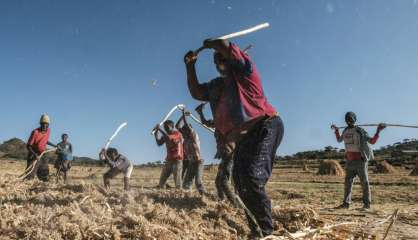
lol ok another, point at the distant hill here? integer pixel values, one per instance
(16, 148)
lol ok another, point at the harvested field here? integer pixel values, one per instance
(415, 170)
(83, 210)
(330, 167)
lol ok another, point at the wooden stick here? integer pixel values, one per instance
(387, 124)
(393, 219)
(179, 106)
(30, 169)
(115, 134)
(244, 32)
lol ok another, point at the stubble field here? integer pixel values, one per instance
(302, 201)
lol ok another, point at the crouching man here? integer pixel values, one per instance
(36, 145)
(118, 164)
(358, 153)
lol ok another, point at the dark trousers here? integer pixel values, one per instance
(253, 163)
(41, 168)
(186, 163)
(194, 172)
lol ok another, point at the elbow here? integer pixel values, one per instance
(197, 95)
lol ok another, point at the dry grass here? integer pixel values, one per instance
(330, 167)
(384, 167)
(83, 210)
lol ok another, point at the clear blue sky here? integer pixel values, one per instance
(90, 66)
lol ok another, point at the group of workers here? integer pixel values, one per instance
(248, 132)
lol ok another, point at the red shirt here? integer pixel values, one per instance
(38, 140)
(174, 146)
(241, 98)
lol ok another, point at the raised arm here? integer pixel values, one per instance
(51, 144)
(181, 122)
(197, 90)
(160, 140)
(219, 45)
(338, 136)
(374, 139)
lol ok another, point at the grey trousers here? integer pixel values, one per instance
(353, 169)
(174, 167)
(194, 172)
(223, 180)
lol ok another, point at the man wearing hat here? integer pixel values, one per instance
(36, 145)
(358, 153)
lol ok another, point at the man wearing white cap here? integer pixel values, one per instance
(36, 145)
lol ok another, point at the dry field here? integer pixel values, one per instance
(83, 210)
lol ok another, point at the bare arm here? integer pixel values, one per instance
(51, 144)
(219, 45)
(159, 139)
(30, 149)
(197, 90)
(206, 122)
(182, 121)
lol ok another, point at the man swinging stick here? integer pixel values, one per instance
(243, 115)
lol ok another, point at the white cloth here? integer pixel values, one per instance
(352, 140)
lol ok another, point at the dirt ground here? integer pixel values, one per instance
(83, 210)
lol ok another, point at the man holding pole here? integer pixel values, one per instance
(358, 153)
(174, 160)
(243, 115)
(36, 145)
(192, 154)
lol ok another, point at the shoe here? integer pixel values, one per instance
(343, 206)
(366, 206)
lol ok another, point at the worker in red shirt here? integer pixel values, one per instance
(36, 145)
(173, 141)
(242, 114)
(358, 154)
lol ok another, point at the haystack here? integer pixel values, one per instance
(330, 167)
(415, 171)
(384, 167)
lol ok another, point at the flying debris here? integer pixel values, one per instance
(154, 82)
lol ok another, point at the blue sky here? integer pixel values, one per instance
(90, 65)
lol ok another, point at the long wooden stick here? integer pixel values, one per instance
(387, 124)
(237, 34)
(179, 106)
(244, 32)
(393, 219)
(30, 169)
(115, 134)
(183, 108)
